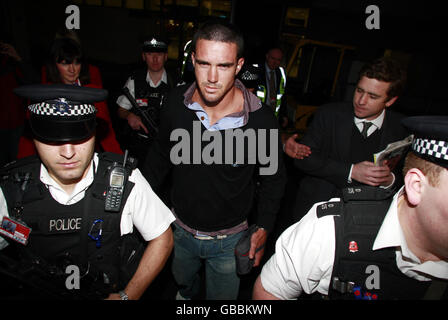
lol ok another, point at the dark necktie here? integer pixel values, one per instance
(366, 126)
(272, 91)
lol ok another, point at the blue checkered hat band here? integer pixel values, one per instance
(435, 148)
(61, 109)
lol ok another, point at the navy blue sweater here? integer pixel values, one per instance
(213, 196)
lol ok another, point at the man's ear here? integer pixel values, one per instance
(391, 101)
(193, 58)
(239, 65)
(143, 56)
(414, 182)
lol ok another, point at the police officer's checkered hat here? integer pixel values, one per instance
(430, 138)
(60, 112)
(250, 75)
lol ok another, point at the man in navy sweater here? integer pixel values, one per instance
(222, 147)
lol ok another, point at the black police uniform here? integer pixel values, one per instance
(358, 219)
(61, 234)
(84, 234)
(150, 99)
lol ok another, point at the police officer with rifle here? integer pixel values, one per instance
(76, 224)
(143, 96)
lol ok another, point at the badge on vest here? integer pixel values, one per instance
(353, 246)
(142, 102)
(15, 230)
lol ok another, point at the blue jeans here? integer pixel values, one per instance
(222, 281)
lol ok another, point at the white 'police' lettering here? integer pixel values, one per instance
(66, 224)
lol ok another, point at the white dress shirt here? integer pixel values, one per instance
(377, 123)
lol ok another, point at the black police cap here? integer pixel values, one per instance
(430, 138)
(61, 112)
(155, 44)
(44, 92)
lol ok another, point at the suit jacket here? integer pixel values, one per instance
(327, 168)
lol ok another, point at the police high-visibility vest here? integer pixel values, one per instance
(281, 91)
(262, 92)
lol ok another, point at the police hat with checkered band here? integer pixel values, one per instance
(250, 75)
(155, 44)
(430, 138)
(61, 112)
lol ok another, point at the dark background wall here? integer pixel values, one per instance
(111, 39)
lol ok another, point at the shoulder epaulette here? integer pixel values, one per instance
(366, 193)
(331, 208)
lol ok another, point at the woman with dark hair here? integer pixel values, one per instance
(66, 64)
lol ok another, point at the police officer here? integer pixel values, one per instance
(148, 86)
(391, 248)
(75, 210)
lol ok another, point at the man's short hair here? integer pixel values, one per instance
(387, 70)
(431, 170)
(222, 32)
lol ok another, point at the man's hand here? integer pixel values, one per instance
(296, 150)
(153, 260)
(135, 122)
(257, 240)
(368, 173)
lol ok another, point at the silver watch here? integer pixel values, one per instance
(123, 295)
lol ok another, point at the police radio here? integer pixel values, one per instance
(117, 181)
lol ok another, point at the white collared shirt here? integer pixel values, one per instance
(391, 235)
(143, 208)
(304, 255)
(123, 102)
(377, 123)
(59, 194)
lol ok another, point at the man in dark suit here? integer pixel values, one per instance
(342, 145)
(274, 87)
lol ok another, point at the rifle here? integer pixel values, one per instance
(146, 117)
